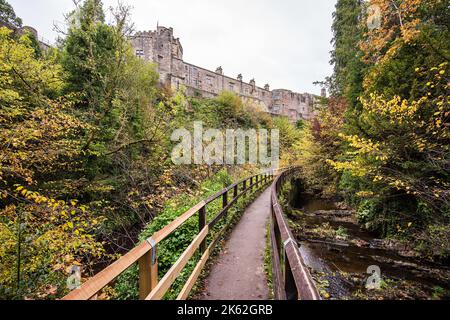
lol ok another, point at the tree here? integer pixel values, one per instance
(8, 15)
(319, 143)
(394, 162)
(128, 115)
(389, 149)
(42, 230)
(346, 56)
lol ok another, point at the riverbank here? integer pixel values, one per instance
(339, 252)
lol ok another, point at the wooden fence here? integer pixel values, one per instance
(146, 254)
(291, 278)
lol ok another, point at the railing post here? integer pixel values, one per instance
(148, 271)
(251, 184)
(235, 192)
(201, 225)
(245, 185)
(225, 201)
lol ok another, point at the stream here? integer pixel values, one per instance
(338, 252)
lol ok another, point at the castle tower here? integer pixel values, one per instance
(163, 52)
(253, 84)
(159, 47)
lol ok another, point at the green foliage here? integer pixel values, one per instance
(227, 111)
(129, 117)
(432, 242)
(34, 43)
(171, 248)
(389, 144)
(8, 15)
(348, 68)
(342, 233)
(320, 142)
(289, 137)
(85, 154)
(43, 231)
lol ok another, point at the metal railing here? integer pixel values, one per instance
(291, 278)
(146, 254)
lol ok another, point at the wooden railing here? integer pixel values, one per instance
(146, 254)
(291, 278)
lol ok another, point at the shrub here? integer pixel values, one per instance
(171, 248)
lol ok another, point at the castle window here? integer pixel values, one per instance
(210, 81)
(140, 53)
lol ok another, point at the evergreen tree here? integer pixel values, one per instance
(346, 56)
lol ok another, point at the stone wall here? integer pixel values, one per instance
(162, 48)
(22, 30)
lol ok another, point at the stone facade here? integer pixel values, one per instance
(22, 30)
(162, 48)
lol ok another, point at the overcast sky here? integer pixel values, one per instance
(285, 43)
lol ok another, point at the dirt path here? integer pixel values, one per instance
(238, 273)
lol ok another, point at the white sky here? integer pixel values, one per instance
(285, 43)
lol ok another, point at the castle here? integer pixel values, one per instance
(44, 45)
(162, 48)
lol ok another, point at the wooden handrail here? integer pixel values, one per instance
(291, 278)
(165, 283)
(145, 254)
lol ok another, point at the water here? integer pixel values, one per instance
(339, 261)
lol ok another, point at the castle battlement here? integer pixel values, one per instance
(162, 48)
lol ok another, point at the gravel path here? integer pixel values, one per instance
(238, 273)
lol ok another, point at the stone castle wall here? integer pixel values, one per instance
(44, 45)
(162, 48)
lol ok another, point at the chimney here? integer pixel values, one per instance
(267, 87)
(239, 77)
(219, 70)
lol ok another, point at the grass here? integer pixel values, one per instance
(268, 263)
(170, 249)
